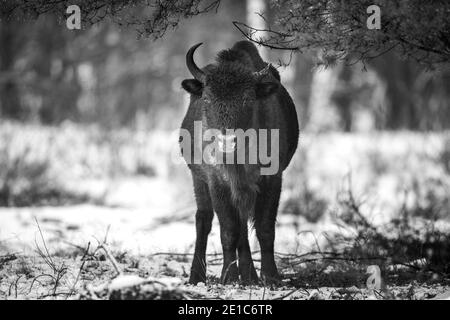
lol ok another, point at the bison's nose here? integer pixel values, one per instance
(227, 143)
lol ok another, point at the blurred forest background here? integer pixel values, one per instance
(105, 75)
(104, 102)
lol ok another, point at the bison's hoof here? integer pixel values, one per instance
(248, 275)
(230, 274)
(250, 281)
(271, 279)
(197, 277)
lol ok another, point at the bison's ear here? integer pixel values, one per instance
(192, 86)
(265, 89)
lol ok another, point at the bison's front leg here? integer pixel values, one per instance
(203, 221)
(265, 217)
(229, 230)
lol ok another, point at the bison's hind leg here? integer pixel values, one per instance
(246, 205)
(229, 229)
(246, 267)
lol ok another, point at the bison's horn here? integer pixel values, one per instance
(195, 71)
(262, 71)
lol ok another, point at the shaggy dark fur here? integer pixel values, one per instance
(233, 97)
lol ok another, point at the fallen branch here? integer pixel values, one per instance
(86, 252)
(109, 256)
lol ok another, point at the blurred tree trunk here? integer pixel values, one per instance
(56, 68)
(301, 86)
(10, 104)
(322, 116)
(43, 67)
(256, 8)
(399, 76)
(343, 97)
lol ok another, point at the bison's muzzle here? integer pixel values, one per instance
(226, 143)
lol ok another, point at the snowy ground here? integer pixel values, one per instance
(149, 218)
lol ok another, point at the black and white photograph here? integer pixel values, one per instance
(230, 150)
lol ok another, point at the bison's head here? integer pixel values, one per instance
(228, 91)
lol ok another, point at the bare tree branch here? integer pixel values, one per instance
(414, 29)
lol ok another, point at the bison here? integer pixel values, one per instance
(238, 91)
